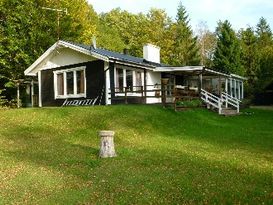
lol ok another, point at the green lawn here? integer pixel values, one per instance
(50, 156)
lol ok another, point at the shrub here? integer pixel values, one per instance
(189, 103)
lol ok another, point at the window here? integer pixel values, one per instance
(119, 79)
(138, 80)
(80, 81)
(70, 83)
(131, 79)
(60, 84)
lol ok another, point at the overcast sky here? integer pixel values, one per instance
(239, 12)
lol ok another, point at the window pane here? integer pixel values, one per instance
(138, 80)
(70, 83)
(80, 81)
(60, 84)
(129, 79)
(119, 79)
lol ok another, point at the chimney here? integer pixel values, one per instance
(151, 53)
(126, 51)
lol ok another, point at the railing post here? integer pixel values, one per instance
(126, 101)
(226, 96)
(219, 107)
(142, 95)
(206, 97)
(164, 82)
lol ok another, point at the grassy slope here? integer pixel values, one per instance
(49, 156)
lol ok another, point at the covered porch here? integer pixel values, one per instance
(218, 91)
(196, 78)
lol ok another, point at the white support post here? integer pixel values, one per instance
(75, 82)
(18, 94)
(239, 90)
(40, 88)
(32, 93)
(219, 107)
(226, 86)
(235, 89)
(231, 86)
(107, 88)
(107, 83)
(242, 89)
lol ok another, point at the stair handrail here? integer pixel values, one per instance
(230, 96)
(229, 100)
(212, 99)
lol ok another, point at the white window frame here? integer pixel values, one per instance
(124, 68)
(64, 72)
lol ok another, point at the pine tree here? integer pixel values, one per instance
(250, 57)
(227, 53)
(265, 46)
(264, 33)
(186, 51)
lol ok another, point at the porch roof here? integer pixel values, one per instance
(195, 70)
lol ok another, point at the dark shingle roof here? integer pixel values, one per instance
(118, 56)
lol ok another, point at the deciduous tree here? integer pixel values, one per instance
(207, 44)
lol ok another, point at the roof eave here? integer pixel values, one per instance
(129, 63)
(238, 76)
(178, 68)
(28, 71)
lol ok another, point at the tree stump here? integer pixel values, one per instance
(107, 147)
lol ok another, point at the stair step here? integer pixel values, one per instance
(229, 112)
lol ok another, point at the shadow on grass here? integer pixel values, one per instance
(247, 132)
(169, 177)
(159, 175)
(43, 147)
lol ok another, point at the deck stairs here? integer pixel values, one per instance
(225, 104)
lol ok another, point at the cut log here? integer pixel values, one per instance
(107, 147)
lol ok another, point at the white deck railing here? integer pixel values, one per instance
(229, 100)
(212, 100)
(225, 100)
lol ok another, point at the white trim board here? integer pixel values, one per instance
(65, 95)
(53, 48)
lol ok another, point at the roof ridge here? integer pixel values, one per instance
(116, 55)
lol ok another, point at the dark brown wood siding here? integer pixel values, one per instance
(95, 83)
(47, 90)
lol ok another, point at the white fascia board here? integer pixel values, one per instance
(177, 69)
(132, 65)
(216, 72)
(27, 72)
(238, 76)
